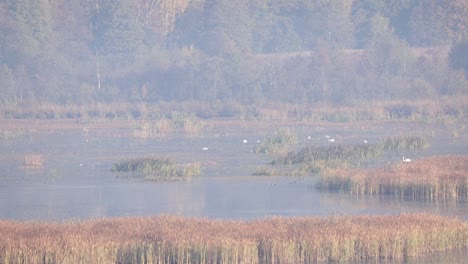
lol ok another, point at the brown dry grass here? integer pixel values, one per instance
(174, 239)
(444, 109)
(428, 178)
(33, 161)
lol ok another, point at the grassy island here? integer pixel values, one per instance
(153, 168)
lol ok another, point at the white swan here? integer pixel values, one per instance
(406, 160)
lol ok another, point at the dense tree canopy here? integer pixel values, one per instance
(299, 51)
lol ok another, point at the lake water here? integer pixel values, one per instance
(75, 181)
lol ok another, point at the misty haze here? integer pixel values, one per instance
(233, 131)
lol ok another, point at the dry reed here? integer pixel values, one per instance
(175, 239)
(444, 110)
(163, 126)
(428, 178)
(33, 161)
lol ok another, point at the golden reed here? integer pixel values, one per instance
(176, 239)
(440, 177)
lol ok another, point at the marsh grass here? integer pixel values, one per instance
(265, 171)
(404, 143)
(33, 161)
(13, 134)
(315, 159)
(174, 239)
(278, 143)
(332, 152)
(153, 168)
(446, 110)
(162, 126)
(440, 177)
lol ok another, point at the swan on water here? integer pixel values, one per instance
(406, 160)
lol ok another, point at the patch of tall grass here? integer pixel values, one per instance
(12, 134)
(332, 152)
(152, 168)
(318, 158)
(278, 143)
(33, 161)
(265, 171)
(440, 177)
(175, 122)
(404, 143)
(443, 111)
(175, 239)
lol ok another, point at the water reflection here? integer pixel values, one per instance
(207, 196)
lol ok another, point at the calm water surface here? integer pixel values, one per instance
(76, 182)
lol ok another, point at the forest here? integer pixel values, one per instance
(251, 52)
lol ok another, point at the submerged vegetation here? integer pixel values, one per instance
(156, 168)
(173, 239)
(428, 179)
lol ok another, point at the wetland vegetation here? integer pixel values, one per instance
(94, 81)
(315, 159)
(155, 169)
(278, 143)
(175, 239)
(433, 178)
(33, 161)
(162, 126)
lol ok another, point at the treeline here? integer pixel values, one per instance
(288, 51)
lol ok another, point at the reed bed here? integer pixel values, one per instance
(14, 134)
(319, 158)
(154, 168)
(439, 177)
(278, 143)
(334, 152)
(165, 125)
(175, 239)
(444, 110)
(265, 171)
(33, 161)
(404, 143)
